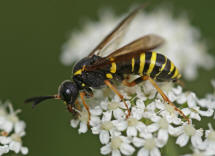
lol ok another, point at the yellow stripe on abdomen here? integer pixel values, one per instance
(132, 64)
(113, 67)
(175, 74)
(142, 63)
(162, 68)
(152, 63)
(171, 67)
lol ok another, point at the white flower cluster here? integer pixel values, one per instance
(183, 42)
(12, 129)
(151, 123)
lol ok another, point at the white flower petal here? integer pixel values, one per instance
(143, 152)
(176, 120)
(127, 149)
(107, 116)
(175, 131)
(186, 111)
(96, 111)
(210, 150)
(145, 134)
(153, 127)
(181, 99)
(191, 100)
(115, 133)
(116, 153)
(15, 146)
(195, 116)
(120, 125)
(207, 113)
(104, 137)
(138, 142)
(140, 104)
(96, 129)
(162, 137)
(171, 96)
(104, 104)
(125, 139)
(154, 117)
(83, 128)
(205, 103)
(131, 131)
(74, 123)
(24, 150)
(105, 149)
(7, 126)
(151, 106)
(160, 105)
(5, 140)
(197, 142)
(119, 114)
(4, 149)
(20, 127)
(182, 140)
(140, 126)
(94, 120)
(122, 105)
(155, 152)
(137, 113)
(177, 90)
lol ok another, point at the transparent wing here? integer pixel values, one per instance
(113, 39)
(143, 44)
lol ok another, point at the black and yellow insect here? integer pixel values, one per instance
(137, 57)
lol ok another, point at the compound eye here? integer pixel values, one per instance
(68, 91)
(66, 95)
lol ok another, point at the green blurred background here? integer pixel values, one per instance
(32, 33)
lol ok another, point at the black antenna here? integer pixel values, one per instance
(37, 100)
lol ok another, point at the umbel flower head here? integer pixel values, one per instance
(183, 45)
(151, 123)
(12, 130)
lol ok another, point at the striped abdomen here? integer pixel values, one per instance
(152, 64)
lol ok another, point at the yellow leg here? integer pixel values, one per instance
(129, 84)
(134, 82)
(166, 98)
(77, 105)
(118, 93)
(82, 94)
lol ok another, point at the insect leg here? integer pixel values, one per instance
(77, 105)
(75, 110)
(127, 77)
(180, 82)
(88, 92)
(82, 94)
(108, 83)
(134, 82)
(166, 98)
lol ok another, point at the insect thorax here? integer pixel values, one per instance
(87, 79)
